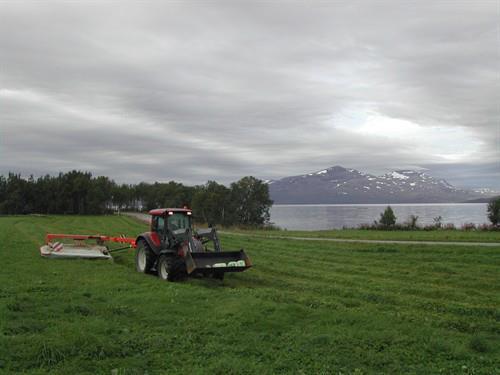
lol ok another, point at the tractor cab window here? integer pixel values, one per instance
(178, 221)
(159, 225)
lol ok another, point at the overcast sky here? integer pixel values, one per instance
(192, 91)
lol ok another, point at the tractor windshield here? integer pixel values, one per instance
(178, 221)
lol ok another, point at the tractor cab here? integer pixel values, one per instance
(171, 223)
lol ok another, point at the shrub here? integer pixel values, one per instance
(271, 227)
(387, 218)
(468, 226)
(488, 227)
(412, 222)
(438, 222)
(386, 224)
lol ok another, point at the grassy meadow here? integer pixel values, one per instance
(305, 308)
(441, 235)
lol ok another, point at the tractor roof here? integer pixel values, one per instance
(162, 211)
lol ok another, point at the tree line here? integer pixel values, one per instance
(244, 202)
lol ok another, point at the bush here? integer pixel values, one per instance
(438, 222)
(387, 218)
(365, 226)
(271, 227)
(494, 211)
(412, 222)
(468, 226)
(487, 227)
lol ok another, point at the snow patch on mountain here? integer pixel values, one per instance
(399, 176)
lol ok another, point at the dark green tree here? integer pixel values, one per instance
(122, 197)
(211, 203)
(99, 195)
(175, 194)
(3, 192)
(15, 195)
(250, 201)
(387, 218)
(76, 192)
(145, 196)
(494, 211)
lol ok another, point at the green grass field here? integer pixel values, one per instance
(395, 235)
(305, 308)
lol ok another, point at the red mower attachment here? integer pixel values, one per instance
(81, 246)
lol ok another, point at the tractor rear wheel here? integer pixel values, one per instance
(144, 257)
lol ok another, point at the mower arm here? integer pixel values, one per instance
(97, 237)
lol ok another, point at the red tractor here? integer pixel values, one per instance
(172, 248)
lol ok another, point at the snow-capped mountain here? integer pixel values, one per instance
(341, 185)
(486, 191)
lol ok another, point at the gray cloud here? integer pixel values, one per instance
(217, 90)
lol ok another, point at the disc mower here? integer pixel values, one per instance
(172, 248)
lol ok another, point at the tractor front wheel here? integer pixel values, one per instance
(163, 268)
(171, 268)
(144, 257)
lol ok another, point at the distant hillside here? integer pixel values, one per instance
(482, 200)
(341, 185)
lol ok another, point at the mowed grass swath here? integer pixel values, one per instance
(305, 307)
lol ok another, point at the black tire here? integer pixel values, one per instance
(144, 257)
(164, 268)
(171, 268)
(178, 269)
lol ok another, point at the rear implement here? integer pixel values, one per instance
(70, 246)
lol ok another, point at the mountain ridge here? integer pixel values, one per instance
(337, 184)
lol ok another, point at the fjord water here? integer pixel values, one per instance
(335, 216)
